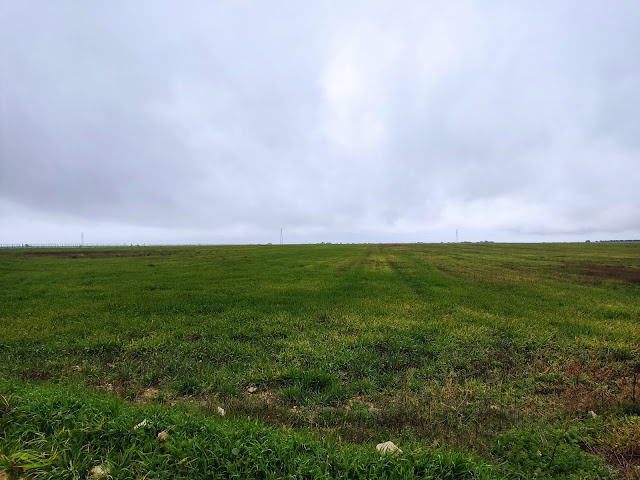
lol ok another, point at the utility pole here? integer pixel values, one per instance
(82, 239)
(281, 239)
(457, 236)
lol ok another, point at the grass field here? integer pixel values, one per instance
(479, 361)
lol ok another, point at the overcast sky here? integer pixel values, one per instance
(216, 122)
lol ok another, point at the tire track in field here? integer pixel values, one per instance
(423, 278)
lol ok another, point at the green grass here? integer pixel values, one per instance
(498, 351)
(66, 433)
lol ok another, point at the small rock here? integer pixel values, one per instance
(593, 414)
(162, 436)
(252, 389)
(387, 448)
(76, 368)
(221, 411)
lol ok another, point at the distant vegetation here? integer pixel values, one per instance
(618, 241)
(478, 360)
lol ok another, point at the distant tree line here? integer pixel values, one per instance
(616, 241)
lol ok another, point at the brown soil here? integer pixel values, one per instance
(147, 395)
(598, 271)
(93, 253)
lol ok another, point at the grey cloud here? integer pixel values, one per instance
(370, 119)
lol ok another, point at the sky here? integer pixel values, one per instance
(363, 121)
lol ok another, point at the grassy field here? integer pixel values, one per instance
(479, 361)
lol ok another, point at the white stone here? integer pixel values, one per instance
(221, 411)
(252, 389)
(99, 471)
(141, 424)
(387, 448)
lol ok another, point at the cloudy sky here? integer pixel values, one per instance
(219, 122)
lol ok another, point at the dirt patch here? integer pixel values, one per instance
(594, 386)
(625, 457)
(33, 375)
(90, 253)
(599, 271)
(147, 395)
(268, 398)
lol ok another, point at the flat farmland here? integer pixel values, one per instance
(477, 360)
